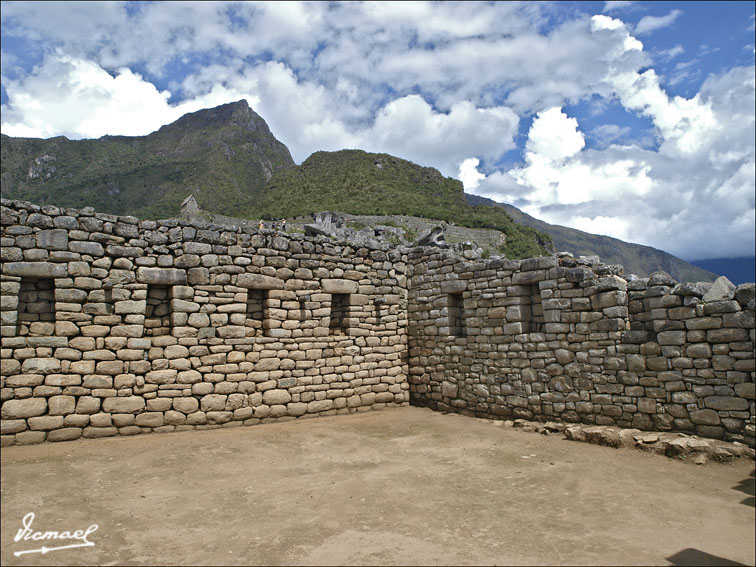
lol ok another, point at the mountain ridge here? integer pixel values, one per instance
(229, 159)
(636, 258)
(221, 155)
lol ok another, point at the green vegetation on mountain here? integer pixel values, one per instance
(228, 158)
(362, 183)
(221, 155)
(636, 258)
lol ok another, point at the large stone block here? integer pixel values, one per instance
(64, 434)
(161, 276)
(339, 286)
(259, 281)
(726, 403)
(86, 247)
(726, 335)
(45, 422)
(61, 405)
(11, 426)
(319, 405)
(213, 402)
(273, 397)
(448, 389)
(608, 299)
(129, 404)
(722, 290)
(704, 417)
(124, 307)
(528, 278)
(453, 286)
(41, 366)
(699, 350)
(150, 419)
(186, 405)
(745, 390)
(35, 269)
(56, 239)
(671, 338)
(19, 409)
(166, 376)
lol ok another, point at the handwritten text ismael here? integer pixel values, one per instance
(26, 533)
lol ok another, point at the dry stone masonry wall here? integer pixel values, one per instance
(560, 338)
(119, 326)
(112, 325)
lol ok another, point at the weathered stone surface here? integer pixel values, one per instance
(661, 278)
(339, 286)
(129, 404)
(745, 294)
(705, 417)
(721, 290)
(65, 434)
(90, 248)
(56, 239)
(213, 402)
(448, 390)
(272, 397)
(186, 405)
(692, 289)
(318, 406)
(259, 281)
(19, 409)
(35, 269)
(161, 276)
(167, 376)
(727, 403)
(454, 286)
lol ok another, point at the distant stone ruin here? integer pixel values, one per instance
(113, 325)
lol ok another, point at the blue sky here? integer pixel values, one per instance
(631, 119)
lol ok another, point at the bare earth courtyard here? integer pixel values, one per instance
(400, 486)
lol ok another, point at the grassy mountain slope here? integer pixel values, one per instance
(362, 183)
(222, 155)
(637, 259)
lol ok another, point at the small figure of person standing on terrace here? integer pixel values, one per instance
(261, 225)
(283, 225)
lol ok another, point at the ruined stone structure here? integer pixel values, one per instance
(560, 338)
(114, 325)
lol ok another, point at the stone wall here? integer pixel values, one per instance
(486, 238)
(112, 325)
(560, 338)
(116, 326)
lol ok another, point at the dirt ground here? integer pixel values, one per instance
(395, 487)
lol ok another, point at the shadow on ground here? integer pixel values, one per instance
(697, 558)
(748, 486)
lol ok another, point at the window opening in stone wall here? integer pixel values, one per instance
(536, 310)
(256, 311)
(455, 312)
(339, 314)
(36, 307)
(157, 316)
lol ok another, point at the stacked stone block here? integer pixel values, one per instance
(113, 325)
(142, 326)
(570, 339)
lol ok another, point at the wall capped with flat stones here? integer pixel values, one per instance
(563, 338)
(116, 326)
